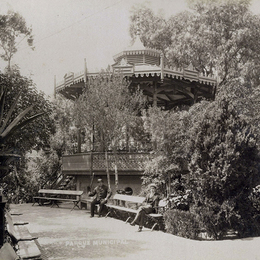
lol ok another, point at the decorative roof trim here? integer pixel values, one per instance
(150, 52)
(144, 70)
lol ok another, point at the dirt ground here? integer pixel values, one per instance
(72, 235)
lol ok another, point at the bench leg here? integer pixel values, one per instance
(107, 214)
(127, 219)
(36, 200)
(75, 205)
(154, 226)
(54, 203)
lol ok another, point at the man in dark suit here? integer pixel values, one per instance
(102, 195)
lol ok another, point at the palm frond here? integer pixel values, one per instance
(10, 111)
(15, 122)
(25, 122)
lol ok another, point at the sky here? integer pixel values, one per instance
(68, 31)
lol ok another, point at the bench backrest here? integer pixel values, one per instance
(9, 219)
(129, 198)
(10, 227)
(61, 192)
(7, 252)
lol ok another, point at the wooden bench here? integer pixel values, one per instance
(56, 196)
(85, 201)
(20, 235)
(131, 204)
(11, 219)
(7, 252)
(27, 251)
(17, 232)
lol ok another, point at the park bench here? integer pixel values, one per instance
(130, 204)
(18, 232)
(7, 252)
(85, 201)
(26, 252)
(56, 196)
(9, 218)
(20, 235)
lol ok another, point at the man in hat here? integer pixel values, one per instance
(102, 195)
(151, 204)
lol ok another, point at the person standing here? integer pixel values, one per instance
(102, 195)
(151, 204)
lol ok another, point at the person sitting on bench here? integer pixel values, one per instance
(151, 201)
(102, 195)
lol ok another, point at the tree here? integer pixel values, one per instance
(21, 131)
(223, 169)
(107, 109)
(12, 29)
(46, 165)
(215, 36)
(221, 139)
(155, 30)
(29, 136)
(168, 131)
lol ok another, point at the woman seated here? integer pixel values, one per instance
(151, 204)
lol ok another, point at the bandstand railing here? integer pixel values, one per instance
(85, 163)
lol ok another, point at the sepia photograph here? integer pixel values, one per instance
(129, 129)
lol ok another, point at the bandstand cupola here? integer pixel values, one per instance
(137, 54)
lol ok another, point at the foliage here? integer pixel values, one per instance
(107, 109)
(214, 36)
(224, 168)
(168, 131)
(46, 164)
(155, 29)
(181, 200)
(181, 223)
(13, 30)
(28, 103)
(65, 137)
(25, 125)
(255, 199)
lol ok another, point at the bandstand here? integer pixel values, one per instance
(164, 86)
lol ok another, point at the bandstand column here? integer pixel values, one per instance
(85, 73)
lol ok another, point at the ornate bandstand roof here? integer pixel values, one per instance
(138, 54)
(166, 86)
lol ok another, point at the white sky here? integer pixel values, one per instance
(67, 31)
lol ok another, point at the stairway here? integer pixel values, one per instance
(65, 183)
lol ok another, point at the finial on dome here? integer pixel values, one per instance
(138, 26)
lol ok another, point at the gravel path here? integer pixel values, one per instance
(72, 235)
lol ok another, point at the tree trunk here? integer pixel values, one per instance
(107, 170)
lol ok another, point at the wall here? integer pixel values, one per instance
(132, 181)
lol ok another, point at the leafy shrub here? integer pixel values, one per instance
(182, 201)
(181, 223)
(224, 168)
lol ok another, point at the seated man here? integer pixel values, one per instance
(102, 195)
(151, 204)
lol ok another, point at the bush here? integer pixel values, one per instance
(224, 168)
(181, 223)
